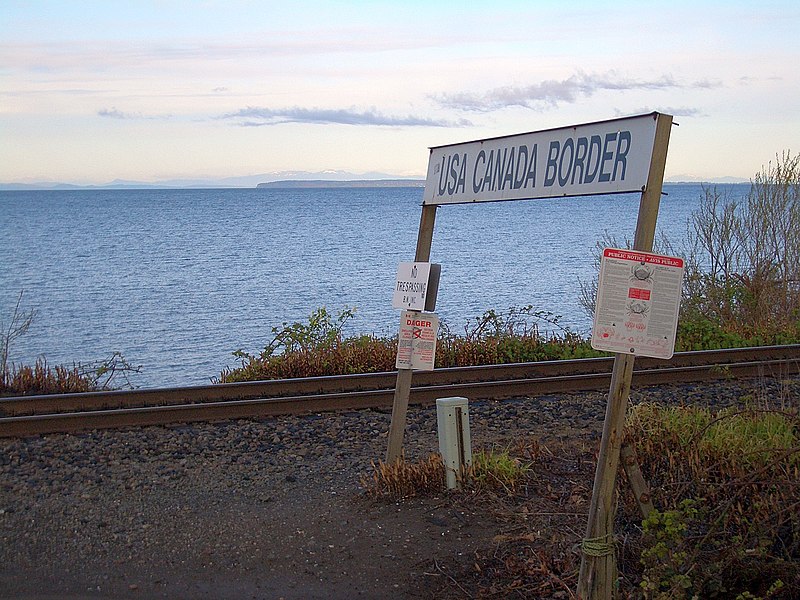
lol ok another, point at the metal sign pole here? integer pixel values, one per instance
(598, 565)
(402, 388)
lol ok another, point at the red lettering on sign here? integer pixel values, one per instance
(639, 294)
(414, 323)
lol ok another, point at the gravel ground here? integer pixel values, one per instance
(268, 508)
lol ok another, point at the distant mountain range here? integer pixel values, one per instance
(275, 179)
(283, 179)
(349, 183)
(693, 179)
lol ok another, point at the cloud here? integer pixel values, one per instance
(113, 113)
(258, 117)
(551, 93)
(750, 80)
(675, 111)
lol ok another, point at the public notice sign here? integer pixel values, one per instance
(606, 157)
(416, 347)
(638, 297)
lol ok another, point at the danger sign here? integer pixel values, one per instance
(416, 347)
(638, 297)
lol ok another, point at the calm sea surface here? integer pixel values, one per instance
(179, 279)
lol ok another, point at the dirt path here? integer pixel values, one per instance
(299, 542)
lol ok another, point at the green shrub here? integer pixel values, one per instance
(496, 470)
(666, 568)
(313, 349)
(319, 347)
(728, 484)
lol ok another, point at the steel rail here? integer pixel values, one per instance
(22, 405)
(259, 399)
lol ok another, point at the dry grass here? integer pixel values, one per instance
(41, 378)
(402, 479)
(536, 497)
(319, 347)
(534, 554)
(492, 470)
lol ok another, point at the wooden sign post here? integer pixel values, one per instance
(598, 572)
(402, 389)
(606, 157)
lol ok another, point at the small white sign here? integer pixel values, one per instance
(638, 297)
(416, 346)
(411, 285)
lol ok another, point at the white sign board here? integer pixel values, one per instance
(416, 347)
(638, 297)
(411, 285)
(607, 157)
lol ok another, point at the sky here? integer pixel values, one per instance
(92, 92)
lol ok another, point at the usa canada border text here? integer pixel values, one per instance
(595, 158)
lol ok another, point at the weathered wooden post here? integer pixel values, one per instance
(402, 388)
(598, 573)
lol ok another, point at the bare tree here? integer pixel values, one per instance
(18, 325)
(742, 257)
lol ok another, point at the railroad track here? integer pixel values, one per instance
(31, 415)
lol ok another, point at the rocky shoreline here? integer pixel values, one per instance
(268, 508)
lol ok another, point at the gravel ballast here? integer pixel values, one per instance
(268, 508)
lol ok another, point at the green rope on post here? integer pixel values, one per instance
(597, 547)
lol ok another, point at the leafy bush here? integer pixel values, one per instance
(521, 334)
(700, 333)
(313, 349)
(319, 347)
(664, 557)
(728, 483)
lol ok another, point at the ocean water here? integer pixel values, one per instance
(177, 280)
